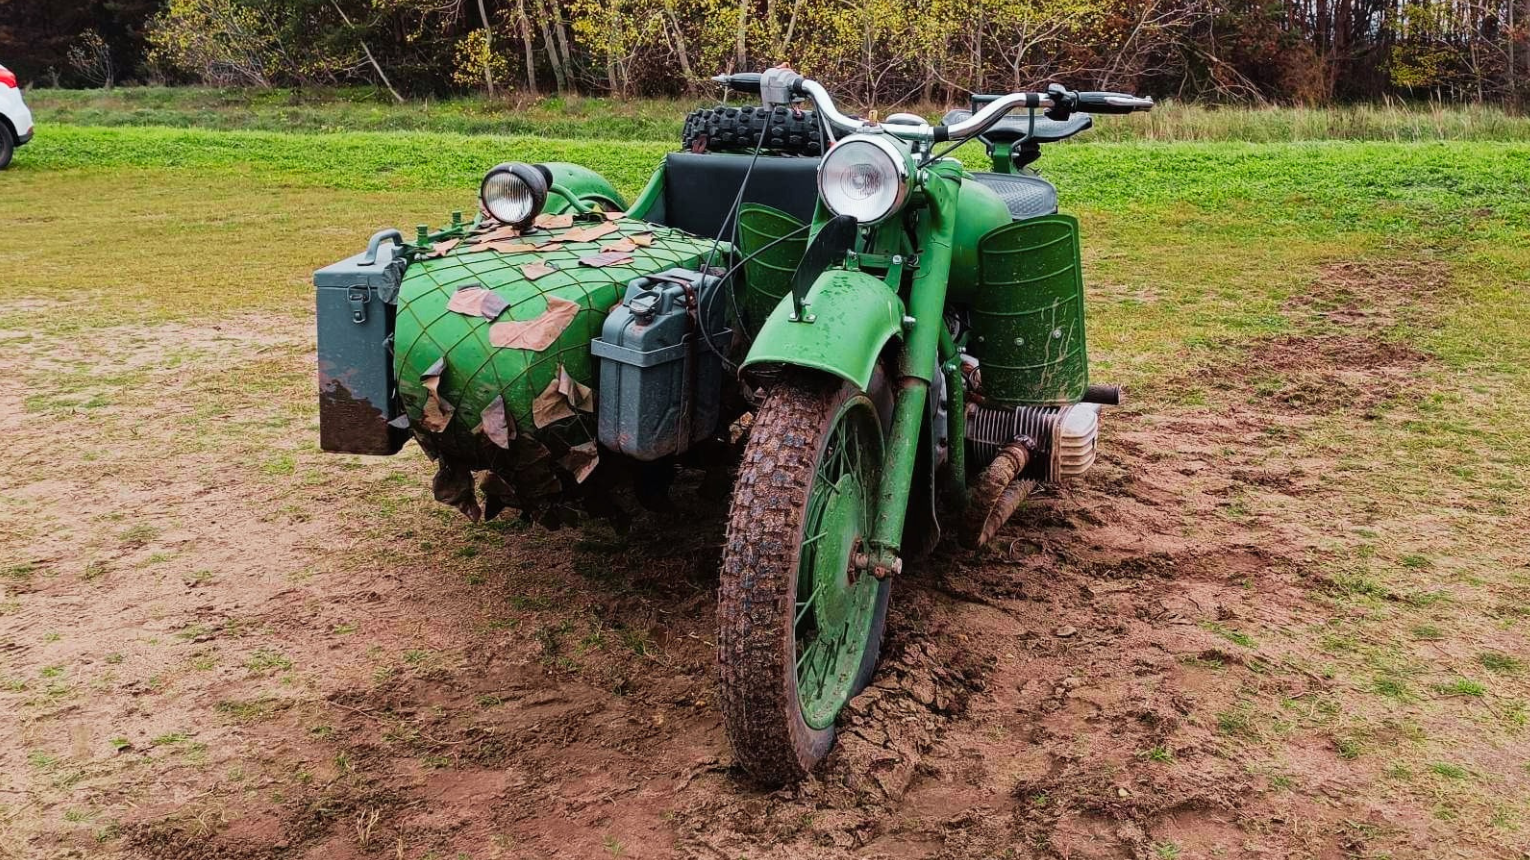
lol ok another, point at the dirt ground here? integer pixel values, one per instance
(219, 643)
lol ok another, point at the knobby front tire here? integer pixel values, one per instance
(798, 633)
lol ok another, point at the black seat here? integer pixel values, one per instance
(699, 189)
(1012, 128)
(1026, 196)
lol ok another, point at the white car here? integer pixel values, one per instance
(15, 119)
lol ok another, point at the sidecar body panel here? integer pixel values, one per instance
(531, 356)
(850, 317)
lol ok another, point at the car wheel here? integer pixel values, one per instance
(7, 146)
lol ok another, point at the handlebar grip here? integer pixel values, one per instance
(744, 82)
(1108, 103)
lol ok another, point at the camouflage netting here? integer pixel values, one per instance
(492, 351)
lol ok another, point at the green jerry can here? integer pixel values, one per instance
(356, 300)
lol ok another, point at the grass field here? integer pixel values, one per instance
(1300, 582)
(660, 119)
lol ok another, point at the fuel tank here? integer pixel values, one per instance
(978, 211)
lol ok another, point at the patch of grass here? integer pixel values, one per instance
(1239, 722)
(1348, 747)
(250, 710)
(326, 110)
(1233, 636)
(138, 535)
(1393, 688)
(267, 660)
(1167, 850)
(202, 661)
(1157, 753)
(1461, 687)
(1497, 661)
(1448, 770)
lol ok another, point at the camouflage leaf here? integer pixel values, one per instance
(579, 396)
(453, 485)
(497, 424)
(493, 306)
(509, 247)
(475, 301)
(437, 412)
(441, 249)
(535, 334)
(615, 216)
(532, 271)
(589, 234)
(619, 246)
(642, 240)
(605, 258)
(497, 495)
(550, 406)
(581, 460)
(498, 235)
(549, 247)
(554, 222)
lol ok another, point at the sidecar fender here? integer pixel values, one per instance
(850, 317)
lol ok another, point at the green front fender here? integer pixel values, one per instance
(850, 317)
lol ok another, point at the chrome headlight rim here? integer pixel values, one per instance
(505, 182)
(899, 163)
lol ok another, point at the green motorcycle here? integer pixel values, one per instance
(894, 337)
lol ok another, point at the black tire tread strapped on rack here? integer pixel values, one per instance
(788, 131)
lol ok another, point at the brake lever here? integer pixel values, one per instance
(1064, 102)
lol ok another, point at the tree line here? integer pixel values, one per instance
(874, 51)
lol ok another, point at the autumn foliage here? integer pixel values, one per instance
(874, 51)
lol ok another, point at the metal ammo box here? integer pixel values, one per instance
(660, 378)
(356, 302)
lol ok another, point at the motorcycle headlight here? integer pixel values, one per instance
(514, 193)
(865, 176)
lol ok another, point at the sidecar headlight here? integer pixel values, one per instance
(865, 176)
(514, 193)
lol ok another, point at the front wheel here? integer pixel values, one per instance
(799, 629)
(7, 146)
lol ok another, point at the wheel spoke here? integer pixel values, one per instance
(802, 605)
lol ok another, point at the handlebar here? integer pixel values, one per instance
(744, 82)
(779, 85)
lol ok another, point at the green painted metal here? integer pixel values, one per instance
(580, 189)
(768, 267)
(916, 363)
(651, 195)
(834, 612)
(475, 372)
(979, 211)
(1028, 318)
(956, 420)
(854, 316)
